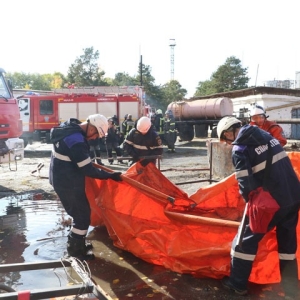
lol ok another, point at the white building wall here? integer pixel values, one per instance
(297, 83)
(272, 105)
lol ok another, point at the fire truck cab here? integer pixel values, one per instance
(11, 146)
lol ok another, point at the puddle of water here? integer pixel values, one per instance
(33, 229)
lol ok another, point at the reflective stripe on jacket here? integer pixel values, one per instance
(249, 155)
(137, 144)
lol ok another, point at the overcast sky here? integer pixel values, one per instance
(43, 36)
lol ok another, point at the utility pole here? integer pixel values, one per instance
(172, 46)
(256, 74)
(141, 71)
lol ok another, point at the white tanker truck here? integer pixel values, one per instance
(199, 114)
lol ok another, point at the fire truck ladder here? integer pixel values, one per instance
(125, 90)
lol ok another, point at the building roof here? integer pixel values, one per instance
(259, 90)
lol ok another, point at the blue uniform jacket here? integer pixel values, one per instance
(70, 159)
(249, 154)
(137, 144)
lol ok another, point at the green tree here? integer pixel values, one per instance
(58, 80)
(123, 79)
(19, 80)
(153, 92)
(85, 70)
(228, 77)
(205, 88)
(31, 81)
(172, 91)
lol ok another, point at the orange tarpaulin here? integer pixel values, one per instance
(193, 235)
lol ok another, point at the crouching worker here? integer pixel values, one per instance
(143, 141)
(70, 163)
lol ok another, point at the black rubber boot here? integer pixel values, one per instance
(99, 162)
(98, 157)
(229, 286)
(289, 278)
(77, 248)
(88, 246)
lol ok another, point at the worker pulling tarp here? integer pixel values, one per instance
(188, 234)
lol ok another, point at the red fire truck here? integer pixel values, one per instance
(40, 112)
(11, 146)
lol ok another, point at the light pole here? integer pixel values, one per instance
(172, 45)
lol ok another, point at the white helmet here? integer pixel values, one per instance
(143, 125)
(257, 110)
(100, 122)
(159, 111)
(225, 123)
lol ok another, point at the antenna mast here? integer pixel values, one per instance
(172, 46)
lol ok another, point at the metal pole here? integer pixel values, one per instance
(141, 71)
(256, 74)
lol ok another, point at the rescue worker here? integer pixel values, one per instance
(112, 141)
(123, 129)
(143, 141)
(116, 120)
(70, 163)
(95, 152)
(152, 118)
(159, 123)
(123, 125)
(259, 117)
(169, 131)
(249, 154)
(128, 125)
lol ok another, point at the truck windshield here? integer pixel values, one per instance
(4, 92)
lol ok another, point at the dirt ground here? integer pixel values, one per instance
(143, 280)
(189, 164)
(31, 174)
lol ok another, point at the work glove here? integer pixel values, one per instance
(116, 176)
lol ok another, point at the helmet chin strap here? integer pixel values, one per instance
(229, 140)
(87, 128)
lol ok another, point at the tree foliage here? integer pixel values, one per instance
(156, 96)
(228, 77)
(152, 91)
(173, 91)
(231, 76)
(85, 70)
(58, 80)
(205, 88)
(123, 79)
(44, 82)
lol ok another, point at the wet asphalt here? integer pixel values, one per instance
(40, 234)
(38, 230)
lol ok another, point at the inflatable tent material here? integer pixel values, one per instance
(192, 235)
